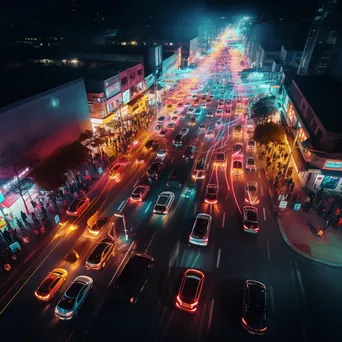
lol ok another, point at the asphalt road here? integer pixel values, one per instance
(303, 297)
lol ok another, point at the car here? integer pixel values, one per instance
(175, 119)
(218, 123)
(237, 130)
(178, 141)
(196, 102)
(77, 206)
(250, 219)
(142, 158)
(219, 106)
(162, 154)
(210, 134)
(237, 148)
(254, 307)
(188, 104)
(171, 125)
(164, 202)
(151, 145)
(99, 225)
(161, 119)
(73, 298)
(227, 111)
(199, 170)
(201, 229)
(250, 164)
(203, 105)
(219, 112)
(139, 193)
(100, 255)
(237, 168)
(208, 101)
(198, 111)
(191, 110)
(203, 98)
(116, 172)
(175, 112)
(51, 284)
(189, 152)
(252, 193)
(190, 290)
(158, 128)
(180, 105)
(192, 121)
(251, 145)
(211, 194)
(209, 115)
(219, 159)
(155, 170)
(184, 131)
(133, 278)
(201, 127)
(250, 133)
(169, 106)
(163, 133)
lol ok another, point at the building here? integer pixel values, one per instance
(171, 62)
(322, 38)
(208, 31)
(311, 109)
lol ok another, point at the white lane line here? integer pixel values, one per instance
(136, 183)
(123, 206)
(100, 303)
(218, 258)
(149, 244)
(272, 298)
(223, 220)
(268, 250)
(264, 211)
(211, 313)
(261, 190)
(259, 173)
(173, 159)
(300, 281)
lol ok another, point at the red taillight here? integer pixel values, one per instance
(243, 321)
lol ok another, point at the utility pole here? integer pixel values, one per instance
(124, 224)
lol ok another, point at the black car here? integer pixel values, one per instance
(155, 170)
(151, 145)
(254, 310)
(133, 278)
(189, 152)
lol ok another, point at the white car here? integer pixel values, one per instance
(219, 112)
(161, 119)
(139, 193)
(198, 111)
(251, 145)
(191, 110)
(201, 229)
(164, 203)
(184, 131)
(250, 164)
(209, 134)
(209, 115)
(188, 104)
(201, 127)
(218, 123)
(73, 298)
(163, 133)
(252, 193)
(162, 154)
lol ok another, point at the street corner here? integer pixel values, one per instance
(299, 237)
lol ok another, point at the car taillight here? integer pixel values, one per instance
(245, 227)
(243, 321)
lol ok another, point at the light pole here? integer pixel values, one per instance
(124, 224)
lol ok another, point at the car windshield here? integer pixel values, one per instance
(73, 205)
(95, 256)
(256, 303)
(251, 143)
(162, 200)
(190, 287)
(250, 161)
(200, 227)
(45, 286)
(160, 207)
(237, 147)
(220, 156)
(237, 164)
(138, 190)
(251, 188)
(251, 216)
(238, 128)
(142, 157)
(210, 132)
(100, 223)
(66, 303)
(212, 190)
(116, 167)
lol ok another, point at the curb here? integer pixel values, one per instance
(321, 261)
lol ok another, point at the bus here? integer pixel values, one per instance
(177, 177)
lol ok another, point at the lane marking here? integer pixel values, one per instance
(101, 301)
(218, 258)
(149, 244)
(264, 211)
(120, 206)
(268, 250)
(148, 207)
(223, 220)
(272, 298)
(261, 190)
(173, 159)
(300, 281)
(211, 313)
(136, 183)
(259, 173)
(123, 207)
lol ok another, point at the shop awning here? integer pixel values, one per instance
(49, 175)
(331, 173)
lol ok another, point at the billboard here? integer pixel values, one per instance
(332, 164)
(112, 86)
(126, 96)
(158, 56)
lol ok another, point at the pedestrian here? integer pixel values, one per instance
(7, 236)
(44, 213)
(306, 205)
(33, 216)
(19, 223)
(36, 222)
(291, 187)
(23, 217)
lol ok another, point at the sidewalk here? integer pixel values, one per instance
(299, 228)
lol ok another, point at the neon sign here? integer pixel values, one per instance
(332, 164)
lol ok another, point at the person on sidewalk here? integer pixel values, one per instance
(23, 217)
(44, 213)
(19, 223)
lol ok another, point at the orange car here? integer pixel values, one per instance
(116, 172)
(190, 290)
(51, 284)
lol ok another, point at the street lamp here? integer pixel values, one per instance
(124, 224)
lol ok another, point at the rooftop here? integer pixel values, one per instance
(324, 96)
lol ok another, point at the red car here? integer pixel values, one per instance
(78, 206)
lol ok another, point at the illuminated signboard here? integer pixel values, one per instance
(112, 87)
(126, 96)
(332, 164)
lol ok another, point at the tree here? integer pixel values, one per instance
(269, 132)
(12, 166)
(263, 108)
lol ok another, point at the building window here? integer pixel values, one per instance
(309, 117)
(132, 76)
(124, 81)
(313, 126)
(91, 108)
(319, 135)
(140, 72)
(102, 113)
